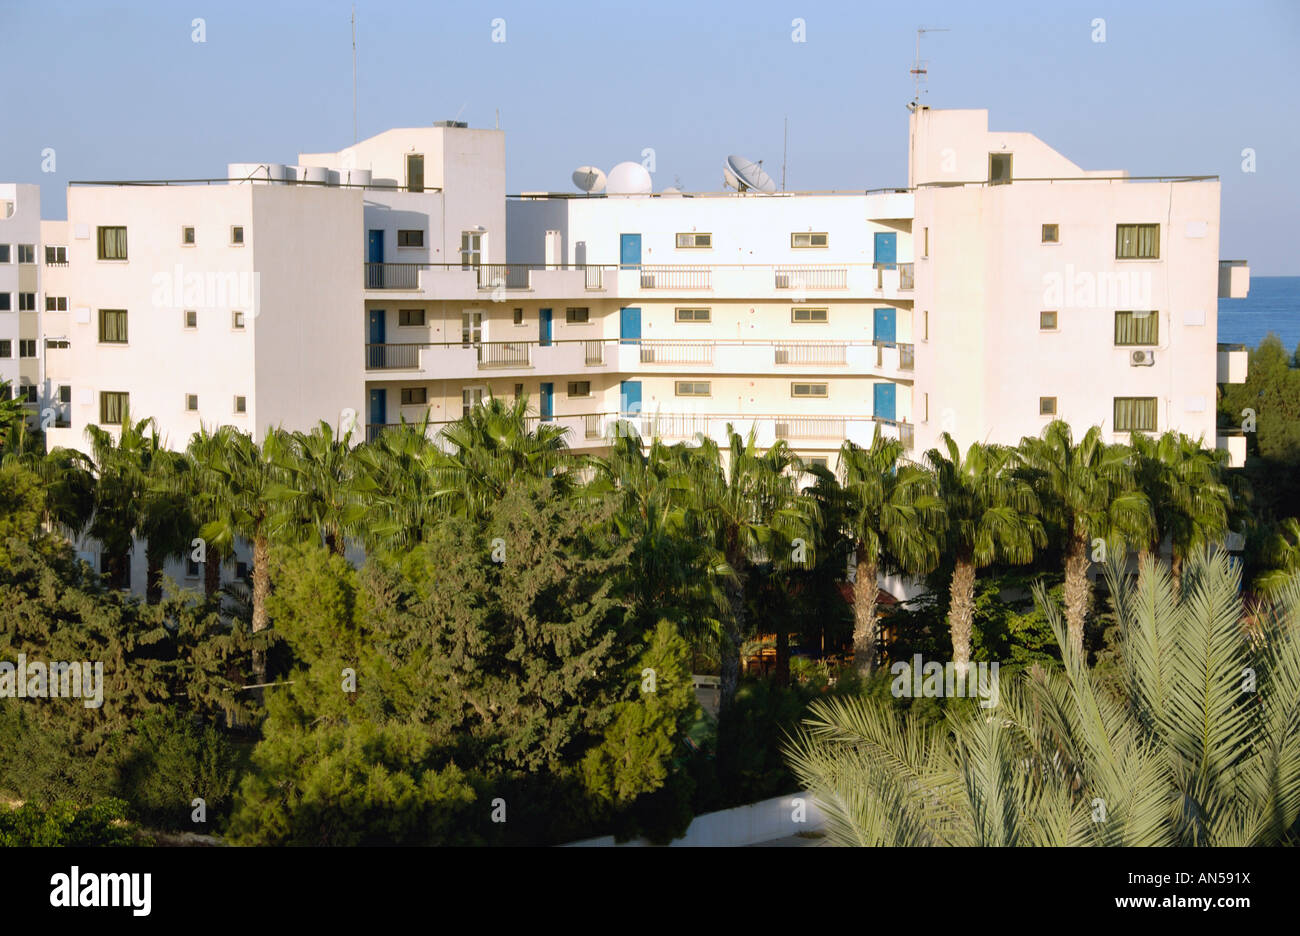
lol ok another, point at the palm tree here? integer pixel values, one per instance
(1282, 553)
(401, 465)
(1088, 491)
(992, 516)
(747, 509)
(166, 521)
(484, 452)
(1184, 485)
(894, 521)
(121, 465)
(1177, 754)
(322, 488)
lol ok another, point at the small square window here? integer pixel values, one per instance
(415, 396)
(26, 302)
(693, 388)
(577, 316)
(1051, 234)
(694, 240)
(237, 235)
(111, 242)
(1047, 321)
(241, 404)
(191, 568)
(519, 316)
(187, 236)
(191, 318)
(410, 317)
(579, 388)
(237, 320)
(1047, 406)
(6, 301)
(808, 390)
(999, 168)
(65, 393)
(26, 253)
(814, 316)
(809, 240)
(27, 347)
(56, 256)
(191, 402)
(56, 303)
(410, 238)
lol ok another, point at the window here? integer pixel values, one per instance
(1137, 242)
(112, 326)
(187, 236)
(6, 348)
(410, 238)
(191, 318)
(27, 393)
(26, 253)
(809, 240)
(694, 315)
(577, 316)
(809, 315)
(237, 320)
(471, 327)
(414, 172)
(1047, 321)
(1135, 414)
(807, 389)
(925, 325)
(693, 388)
(1051, 234)
(237, 235)
(65, 393)
(1137, 328)
(999, 168)
(56, 256)
(519, 316)
(112, 243)
(410, 317)
(27, 347)
(925, 249)
(415, 396)
(4, 253)
(579, 388)
(112, 407)
(519, 390)
(470, 397)
(56, 303)
(1047, 406)
(694, 240)
(191, 402)
(471, 250)
(191, 568)
(27, 302)
(241, 404)
(925, 410)
(241, 570)
(5, 302)
(818, 461)
(56, 343)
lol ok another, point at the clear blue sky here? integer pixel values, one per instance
(119, 90)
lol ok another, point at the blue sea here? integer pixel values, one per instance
(1272, 306)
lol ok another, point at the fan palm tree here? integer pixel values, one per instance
(121, 462)
(747, 509)
(401, 464)
(1282, 553)
(1183, 482)
(320, 488)
(894, 521)
(1088, 492)
(992, 516)
(1182, 752)
(487, 449)
(166, 523)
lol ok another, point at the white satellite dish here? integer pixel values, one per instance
(743, 175)
(628, 178)
(589, 179)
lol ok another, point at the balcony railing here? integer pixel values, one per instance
(676, 276)
(811, 353)
(394, 275)
(595, 277)
(503, 354)
(593, 353)
(677, 352)
(507, 275)
(392, 356)
(810, 427)
(810, 277)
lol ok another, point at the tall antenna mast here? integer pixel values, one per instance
(355, 135)
(920, 67)
(785, 148)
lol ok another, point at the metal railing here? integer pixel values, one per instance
(503, 354)
(676, 352)
(392, 356)
(593, 353)
(810, 277)
(592, 425)
(810, 353)
(676, 276)
(595, 277)
(394, 275)
(810, 427)
(507, 275)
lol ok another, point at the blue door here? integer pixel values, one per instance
(374, 260)
(544, 328)
(376, 356)
(548, 402)
(883, 402)
(378, 407)
(884, 330)
(629, 250)
(886, 250)
(629, 325)
(629, 396)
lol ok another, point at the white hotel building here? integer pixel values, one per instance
(1003, 287)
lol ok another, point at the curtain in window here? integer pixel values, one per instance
(112, 243)
(1137, 328)
(1135, 413)
(112, 408)
(1137, 241)
(112, 325)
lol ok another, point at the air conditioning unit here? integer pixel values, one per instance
(1142, 358)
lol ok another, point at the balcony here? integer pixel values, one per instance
(1233, 360)
(1234, 279)
(503, 354)
(676, 276)
(1232, 441)
(394, 275)
(806, 276)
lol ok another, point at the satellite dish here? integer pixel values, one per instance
(628, 178)
(589, 179)
(743, 175)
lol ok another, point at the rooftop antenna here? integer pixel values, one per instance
(785, 149)
(920, 68)
(355, 135)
